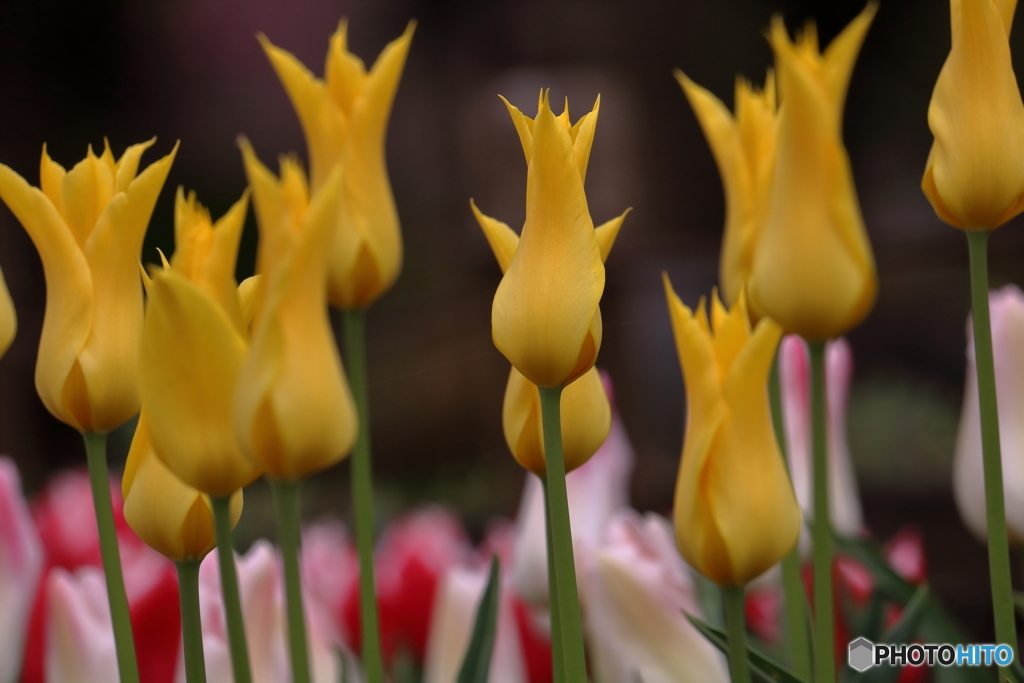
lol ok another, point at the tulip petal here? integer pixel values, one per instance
(191, 358)
(841, 55)
(344, 73)
(8, 317)
(503, 239)
(69, 291)
(977, 118)
(524, 127)
(547, 301)
(51, 177)
(109, 359)
(607, 232)
(128, 165)
(583, 137)
(85, 192)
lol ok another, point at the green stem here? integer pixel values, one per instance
(995, 512)
(286, 500)
(191, 624)
(736, 629)
(797, 640)
(229, 590)
(557, 660)
(821, 530)
(96, 454)
(362, 493)
(568, 605)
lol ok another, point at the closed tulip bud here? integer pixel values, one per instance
(87, 225)
(193, 347)
(294, 414)
(170, 516)
(21, 564)
(735, 511)
(974, 177)
(744, 149)
(586, 413)
(545, 318)
(638, 594)
(813, 271)
(1007, 311)
(345, 117)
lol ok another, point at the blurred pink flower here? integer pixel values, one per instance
(637, 589)
(1007, 315)
(79, 640)
(330, 572)
(794, 375)
(21, 564)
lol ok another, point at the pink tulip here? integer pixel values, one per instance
(458, 598)
(1007, 315)
(263, 610)
(637, 589)
(79, 640)
(21, 564)
(794, 374)
(330, 572)
(596, 490)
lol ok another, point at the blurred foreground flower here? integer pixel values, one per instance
(294, 414)
(21, 565)
(744, 149)
(344, 117)
(1007, 306)
(974, 177)
(546, 318)
(638, 589)
(795, 376)
(813, 271)
(87, 225)
(735, 511)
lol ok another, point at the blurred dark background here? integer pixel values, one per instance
(72, 73)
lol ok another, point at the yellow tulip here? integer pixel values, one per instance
(974, 176)
(87, 225)
(193, 348)
(744, 149)
(735, 511)
(546, 319)
(170, 516)
(294, 413)
(813, 271)
(586, 412)
(8, 317)
(344, 117)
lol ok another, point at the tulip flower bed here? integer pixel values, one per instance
(763, 569)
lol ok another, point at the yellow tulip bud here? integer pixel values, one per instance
(744, 149)
(294, 412)
(87, 225)
(586, 412)
(974, 176)
(586, 421)
(193, 347)
(170, 516)
(813, 271)
(545, 318)
(344, 117)
(735, 511)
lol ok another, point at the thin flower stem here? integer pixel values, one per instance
(191, 624)
(286, 500)
(736, 629)
(229, 590)
(568, 602)
(362, 493)
(96, 454)
(995, 511)
(821, 529)
(557, 660)
(797, 639)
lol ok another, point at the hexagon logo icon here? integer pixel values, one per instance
(861, 654)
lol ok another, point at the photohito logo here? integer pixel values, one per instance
(863, 654)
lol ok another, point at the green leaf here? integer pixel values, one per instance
(763, 669)
(903, 632)
(476, 665)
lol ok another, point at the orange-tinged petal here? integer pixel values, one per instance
(171, 517)
(974, 173)
(548, 298)
(191, 358)
(69, 298)
(586, 421)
